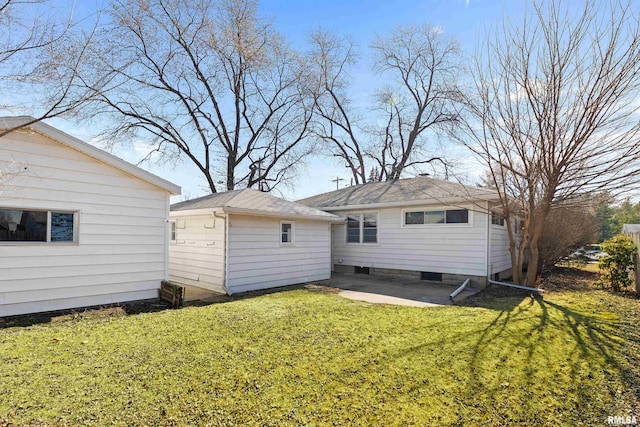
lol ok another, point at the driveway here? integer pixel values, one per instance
(398, 291)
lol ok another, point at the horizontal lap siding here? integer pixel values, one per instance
(197, 256)
(452, 249)
(122, 235)
(258, 261)
(500, 256)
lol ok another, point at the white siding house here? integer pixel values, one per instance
(421, 227)
(78, 226)
(633, 231)
(246, 240)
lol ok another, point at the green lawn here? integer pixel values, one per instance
(308, 357)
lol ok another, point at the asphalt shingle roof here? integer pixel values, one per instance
(412, 190)
(252, 200)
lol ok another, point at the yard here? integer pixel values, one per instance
(309, 357)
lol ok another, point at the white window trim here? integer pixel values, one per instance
(434, 209)
(498, 226)
(172, 223)
(292, 233)
(48, 242)
(361, 214)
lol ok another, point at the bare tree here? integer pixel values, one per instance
(32, 36)
(425, 64)
(208, 81)
(565, 228)
(554, 112)
(422, 64)
(336, 121)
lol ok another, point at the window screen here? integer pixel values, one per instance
(353, 229)
(286, 235)
(369, 228)
(458, 216)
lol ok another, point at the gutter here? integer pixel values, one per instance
(225, 253)
(428, 202)
(284, 215)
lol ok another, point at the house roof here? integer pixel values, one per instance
(631, 228)
(402, 192)
(26, 122)
(253, 202)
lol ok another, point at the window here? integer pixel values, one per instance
(497, 219)
(431, 276)
(369, 228)
(448, 216)
(18, 225)
(286, 233)
(353, 228)
(361, 270)
(172, 232)
(362, 228)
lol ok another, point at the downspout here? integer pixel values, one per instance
(488, 263)
(225, 253)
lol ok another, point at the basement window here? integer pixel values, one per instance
(361, 270)
(431, 276)
(37, 226)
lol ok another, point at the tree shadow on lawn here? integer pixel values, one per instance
(589, 343)
(543, 349)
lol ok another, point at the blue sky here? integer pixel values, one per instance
(362, 20)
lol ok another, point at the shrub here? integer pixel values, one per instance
(618, 262)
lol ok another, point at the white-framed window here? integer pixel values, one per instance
(497, 219)
(362, 227)
(38, 226)
(442, 216)
(172, 231)
(287, 233)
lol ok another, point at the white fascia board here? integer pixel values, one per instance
(91, 151)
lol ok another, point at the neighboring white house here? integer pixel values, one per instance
(245, 240)
(422, 228)
(633, 231)
(78, 226)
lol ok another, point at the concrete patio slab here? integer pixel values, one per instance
(393, 290)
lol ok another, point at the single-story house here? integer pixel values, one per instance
(423, 228)
(633, 231)
(244, 240)
(78, 226)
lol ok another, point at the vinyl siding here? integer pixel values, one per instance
(120, 252)
(500, 257)
(441, 248)
(197, 256)
(257, 260)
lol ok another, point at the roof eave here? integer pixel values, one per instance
(285, 215)
(91, 151)
(409, 203)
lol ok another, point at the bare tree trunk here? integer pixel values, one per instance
(554, 113)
